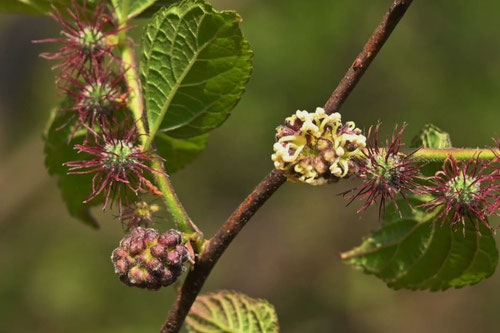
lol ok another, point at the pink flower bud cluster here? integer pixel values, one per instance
(147, 259)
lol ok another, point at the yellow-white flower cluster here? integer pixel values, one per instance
(315, 148)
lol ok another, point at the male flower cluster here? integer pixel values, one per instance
(316, 148)
(147, 259)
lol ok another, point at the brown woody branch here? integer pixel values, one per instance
(265, 189)
(216, 246)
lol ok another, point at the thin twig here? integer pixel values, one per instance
(364, 59)
(265, 189)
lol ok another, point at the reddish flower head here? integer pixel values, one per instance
(119, 166)
(464, 190)
(85, 39)
(97, 96)
(385, 172)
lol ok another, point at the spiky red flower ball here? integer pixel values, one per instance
(385, 172)
(146, 259)
(465, 190)
(87, 37)
(118, 164)
(97, 95)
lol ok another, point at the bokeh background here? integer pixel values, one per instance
(440, 66)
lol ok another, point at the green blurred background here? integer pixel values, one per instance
(440, 66)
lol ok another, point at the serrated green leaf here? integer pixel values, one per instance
(179, 152)
(414, 253)
(194, 68)
(135, 7)
(74, 188)
(228, 311)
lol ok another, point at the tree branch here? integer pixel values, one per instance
(364, 59)
(217, 245)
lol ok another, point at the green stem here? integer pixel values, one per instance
(131, 75)
(181, 219)
(124, 11)
(134, 88)
(460, 154)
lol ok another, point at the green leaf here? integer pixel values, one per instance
(414, 253)
(194, 68)
(151, 10)
(135, 7)
(179, 152)
(432, 137)
(228, 311)
(74, 188)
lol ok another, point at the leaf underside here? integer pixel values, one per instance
(194, 68)
(418, 254)
(74, 188)
(228, 311)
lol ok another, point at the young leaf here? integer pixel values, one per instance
(135, 7)
(74, 188)
(228, 311)
(431, 137)
(194, 68)
(416, 253)
(179, 152)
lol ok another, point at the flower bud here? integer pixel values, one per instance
(147, 259)
(170, 239)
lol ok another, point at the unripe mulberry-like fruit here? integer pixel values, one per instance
(147, 259)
